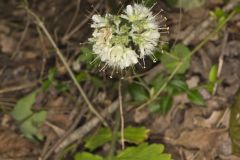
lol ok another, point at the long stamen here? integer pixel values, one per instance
(111, 76)
(104, 67)
(94, 60)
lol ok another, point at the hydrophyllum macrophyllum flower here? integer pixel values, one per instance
(121, 40)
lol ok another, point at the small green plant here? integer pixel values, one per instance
(133, 135)
(104, 135)
(163, 103)
(29, 121)
(170, 59)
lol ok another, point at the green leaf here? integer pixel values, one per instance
(178, 55)
(219, 14)
(165, 104)
(86, 156)
(22, 110)
(178, 84)
(29, 126)
(144, 152)
(195, 97)
(138, 93)
(158, 81)
(82, 76)
(28, 121)
(154, 107)
(212, 76)
(101, 137)
(135, 135)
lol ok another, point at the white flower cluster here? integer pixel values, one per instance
(121, 40)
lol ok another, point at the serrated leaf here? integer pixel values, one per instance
(135, 134)
(195, 97)
(86, 156)
(144, 152)
(30, 126)
(101, 137)
(28, 120)
(178, 55)
(22, 110)
(138, 93)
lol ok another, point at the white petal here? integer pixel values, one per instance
(129, 10)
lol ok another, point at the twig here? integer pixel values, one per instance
(66, 37)
(60, 55)
(74, 16)
(45, 155)
(16, 88)
(81, 132)
(21, 39)
(121, 113)
(220, 61)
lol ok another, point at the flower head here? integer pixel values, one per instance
(121, 40)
